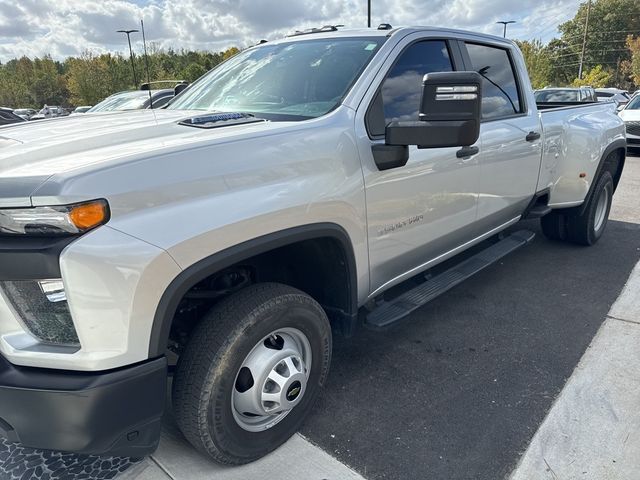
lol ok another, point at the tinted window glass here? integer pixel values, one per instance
(161, 102)
(402, 89)
(556, 96)
(499, 88)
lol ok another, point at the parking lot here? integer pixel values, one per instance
(454, 392)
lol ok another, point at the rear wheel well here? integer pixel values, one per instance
(614, 164)
(323, 267)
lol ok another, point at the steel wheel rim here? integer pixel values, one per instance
(277, 381)
(601, 209)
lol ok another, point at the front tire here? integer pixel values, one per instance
(251, 372)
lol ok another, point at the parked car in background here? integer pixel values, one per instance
(133, 100)
(25, 113)
(49, 112)
(81, 110)
(566, 95)
(621, 97)
(630, 114)
(7, 116)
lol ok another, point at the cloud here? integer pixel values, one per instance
(67, 27)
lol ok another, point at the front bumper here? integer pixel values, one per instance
(109, 413)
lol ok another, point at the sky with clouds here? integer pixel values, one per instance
(64, 28)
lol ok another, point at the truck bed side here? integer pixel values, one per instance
(575, 140)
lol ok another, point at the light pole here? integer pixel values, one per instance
(133, 67)
(369, 13)
(504, 32)
(584, 40)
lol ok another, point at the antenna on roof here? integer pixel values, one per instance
(146, 63)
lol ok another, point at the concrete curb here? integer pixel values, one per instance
(592, 430)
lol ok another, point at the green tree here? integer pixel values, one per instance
(89, 78)
(192, 72)
(633, 65)
(47, 85)
(597, 77)
(610, 21)
(536, 56)
(230, 52)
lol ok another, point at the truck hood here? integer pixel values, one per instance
(30, 153)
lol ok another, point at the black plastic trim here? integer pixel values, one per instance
(389, 156)
(189, 277)
(117, 412)
(534, 201)
(31, 258)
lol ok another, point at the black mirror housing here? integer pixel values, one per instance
(450, 113)
(179, 88)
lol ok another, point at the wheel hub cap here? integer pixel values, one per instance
(272, 380)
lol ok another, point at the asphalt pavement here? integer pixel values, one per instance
(456, 391)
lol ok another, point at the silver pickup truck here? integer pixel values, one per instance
(215, 245)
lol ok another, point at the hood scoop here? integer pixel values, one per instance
(215, 120)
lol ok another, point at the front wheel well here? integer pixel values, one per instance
(321, 265)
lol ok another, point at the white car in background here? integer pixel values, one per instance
(53, 112)
(621, 97)
(25, 113)
(81, 110)
(630, 114)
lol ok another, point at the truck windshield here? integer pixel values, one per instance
(122, 101)
(285, 81)
(634, 104)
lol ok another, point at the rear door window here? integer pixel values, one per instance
(500, 93)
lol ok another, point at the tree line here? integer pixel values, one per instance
(89, 78)
(611, 48)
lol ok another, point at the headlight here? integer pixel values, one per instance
(57, 220)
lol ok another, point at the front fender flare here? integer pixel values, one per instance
(189, 277)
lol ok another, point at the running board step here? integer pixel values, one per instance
(398, 308)
(538, 211)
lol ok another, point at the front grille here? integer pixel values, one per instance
(633, 128)
(50, 322)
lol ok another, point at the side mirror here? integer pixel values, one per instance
(449, 113)
(179, 88)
